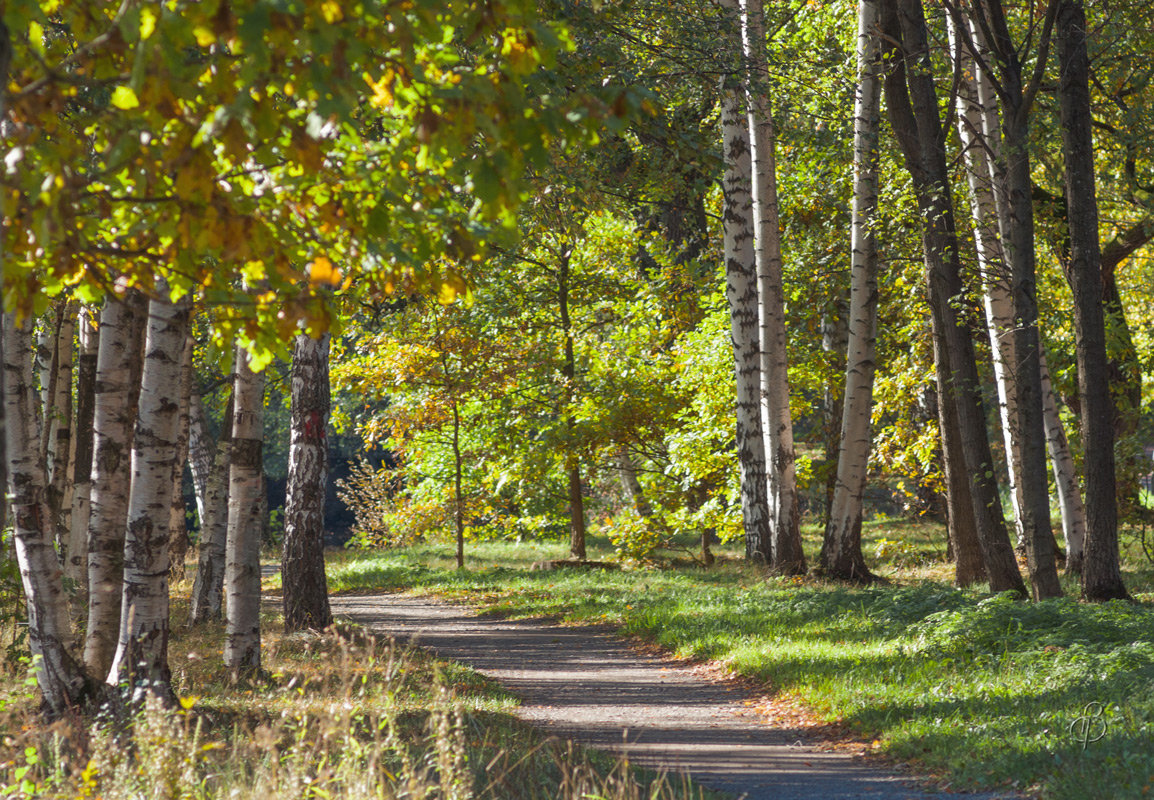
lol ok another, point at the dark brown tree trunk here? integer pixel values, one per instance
(1101, 573)
(916, 121)
(306, 593)
(572, 465)
(1012, 184)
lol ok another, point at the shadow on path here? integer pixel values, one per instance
(584, 684)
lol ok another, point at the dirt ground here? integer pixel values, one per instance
(586, 684)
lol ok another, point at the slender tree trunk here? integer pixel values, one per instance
(113, 416)
(58, 431)
(777, 427)
(306, 595)
(141, 659)
(201, 453)
(62, 681)
(738, 227)
(572, 464)
(1065, 478)
(980, 133)
(1101, 572)
(916, 121)
(76, 566)
(177, 524)
(841, 555)
(458, 494)
(208, 585)
(1012, 181)
(242, 559)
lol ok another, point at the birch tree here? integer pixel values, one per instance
(76, 566)
(739, 233)
(112, 430)
(177, 524)
(306, 596)
(777, 426)
(62, 680)
(912, 103)
(208, 586)
(141, 658)
(242, 549)
(980, 132)
(1016, 92)
(841, 555)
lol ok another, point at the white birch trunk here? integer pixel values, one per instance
(242, 559)
(980, 133)
(62, 681)
(177, 525)
(1065, 476)
(978, 128)
(201, 453)
(777, 427)
(306, 599)
(741, 292)
(76, 565)
(841, 550)
(141, 658)
(208, 586)
(113, 419)
(58, 430)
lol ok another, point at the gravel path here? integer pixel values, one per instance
(585, 684)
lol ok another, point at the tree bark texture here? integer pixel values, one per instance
(841, 555)
(738, 231)
(306, 596)
(201, 453)
(1013, 184)
(141, 659)
(917, 124)
(242, 558)
(208, 585)
(62, 680)
(114, 414)
(786, 552)
(58, 433)
(177, 524)
(76, 565)
(1101, 572)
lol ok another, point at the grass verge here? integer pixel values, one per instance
(340, 716)
(1055, 699)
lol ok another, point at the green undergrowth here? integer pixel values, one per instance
(1055, 699)
(340, 716)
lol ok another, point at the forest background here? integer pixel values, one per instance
(586, 270)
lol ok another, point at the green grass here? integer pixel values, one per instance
(341, 716)
(984, 691)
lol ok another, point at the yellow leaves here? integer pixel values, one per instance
(331, 11)
(147, 22)
(124, 98)
(382, 89)
(323, 273)
(36, 36)
(204, 36)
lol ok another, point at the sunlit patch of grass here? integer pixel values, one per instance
(985, 691)
(339, 715)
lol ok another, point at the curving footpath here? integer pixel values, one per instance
(585, 684)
